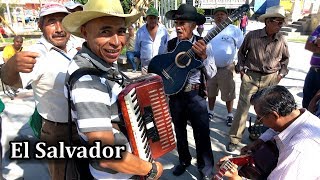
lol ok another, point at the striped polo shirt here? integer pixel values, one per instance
(94, 105)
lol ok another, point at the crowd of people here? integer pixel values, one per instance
(76, 36)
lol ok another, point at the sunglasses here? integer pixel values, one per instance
(280, 23)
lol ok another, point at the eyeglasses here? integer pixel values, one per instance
(280, 23)
(260, 119)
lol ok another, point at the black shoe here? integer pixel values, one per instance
(229, 120)
(232, 147)
(211, 116)
(180, 169)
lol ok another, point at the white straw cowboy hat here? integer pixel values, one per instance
(94, 9)
(273, 12)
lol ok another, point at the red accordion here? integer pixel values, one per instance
(147, 118)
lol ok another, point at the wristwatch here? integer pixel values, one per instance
(153, 172)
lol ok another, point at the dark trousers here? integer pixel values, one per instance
(311, 85)
(190, 106)
(52, 133)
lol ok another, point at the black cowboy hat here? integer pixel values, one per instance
(186, 12)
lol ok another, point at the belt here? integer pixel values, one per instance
(191, 87)
(258, 72)
(316, 69)
(56, 123)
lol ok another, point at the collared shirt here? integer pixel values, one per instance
(9, 51)
(315, 59)
(148, 47)
(95, 105)
(47, 79)
(208, 63)
(225, 44)
(259, 52)
(299, 147)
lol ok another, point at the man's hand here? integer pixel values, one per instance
(159, 169)
(199, 48)
(252, 147)
(232, 171)
(279, 77)
(24, 61)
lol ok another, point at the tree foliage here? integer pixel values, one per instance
(126, 5)
(200, 11)
(81, 1)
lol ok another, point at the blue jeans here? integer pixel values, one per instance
(311, 86)
(243, 29)
(130, 58)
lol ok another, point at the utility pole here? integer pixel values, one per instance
(8, 12)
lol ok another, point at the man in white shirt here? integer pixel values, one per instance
(295, 131)
(224, 48)
(44, 66)
(151, 39)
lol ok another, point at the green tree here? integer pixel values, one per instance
(200, 11)
(126, 5)
(82, 1)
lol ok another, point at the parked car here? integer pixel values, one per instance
(209, 20)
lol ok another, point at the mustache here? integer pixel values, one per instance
(179, 31)
(59, 35)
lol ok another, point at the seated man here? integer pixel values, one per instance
(103, 24)
(12, 49)
(295, 131)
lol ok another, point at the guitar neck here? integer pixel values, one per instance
(212, 34)
(217, 30)
(234, 16)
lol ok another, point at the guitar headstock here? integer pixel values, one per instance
(239, 11)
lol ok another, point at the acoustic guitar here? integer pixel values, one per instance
(226, 165)
(256, 165)
(174, 67)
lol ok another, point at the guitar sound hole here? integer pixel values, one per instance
(182, 60)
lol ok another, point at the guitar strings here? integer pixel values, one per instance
(189, 54)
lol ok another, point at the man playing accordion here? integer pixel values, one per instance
(102, 24)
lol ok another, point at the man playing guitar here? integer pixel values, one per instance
(295, 131)
(187, 104)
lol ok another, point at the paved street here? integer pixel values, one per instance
(17, 112)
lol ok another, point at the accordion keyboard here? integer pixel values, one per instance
(138, 128)
(147, 118)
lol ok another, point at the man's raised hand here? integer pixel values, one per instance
(24, 61)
